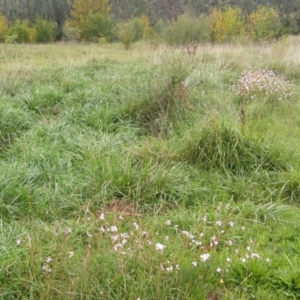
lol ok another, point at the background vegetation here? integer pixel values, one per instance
(159, 21)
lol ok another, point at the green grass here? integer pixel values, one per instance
(121, 171)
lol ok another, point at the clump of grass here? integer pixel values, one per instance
(263, 84)
(165, 99)
(13, 121)
(219, 146)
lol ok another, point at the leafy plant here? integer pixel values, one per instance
(44, 31)
(21, 30)
(3, 28)
(228, 25)
(264, 24)
(97, 26)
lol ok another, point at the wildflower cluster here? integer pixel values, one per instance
(212, 244)
(254, 84)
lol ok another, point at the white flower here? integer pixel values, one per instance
(159, 247)
(267, 260)
(101, 216)
(204, 257)
(219, 270)
(88, 234)
(218, 223)
(68, 230)
(19, 242)
(135, 225)
(228, 259)
(194, 263)
(230, 223)
(102, 229)
(168, 222)
(48, 259)
(113, 229)
(229, 242)
(71, 254)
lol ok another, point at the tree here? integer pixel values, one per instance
(97, 26)
(3, 28)
(264, 24)
(81, 9)
(229, 25)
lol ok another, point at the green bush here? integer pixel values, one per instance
(138, 29)
(97, 26)
(44, 31)
(3, 28)
(185, 30)
(70, 33)
(126, 33)
(264, 24)
(228, 25)
(22, 30)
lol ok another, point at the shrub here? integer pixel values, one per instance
(254, 84)
(44, 31)
(70, 33)
(188, 29)
(264, 24)
(21, 30)
(228, 25)
(126, 33)
(97, 26)
(3, 28)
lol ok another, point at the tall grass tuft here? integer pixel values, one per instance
(219, 146)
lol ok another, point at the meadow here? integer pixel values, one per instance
(153, 173)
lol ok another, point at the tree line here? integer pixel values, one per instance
(131, 20)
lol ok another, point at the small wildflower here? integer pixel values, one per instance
(169, 269)
(267, 260)
(135, 225)
(204, 257)
(89, 235)
(243, 228)
(101, 216)
(19, 242)
(120, 217)
(68, 230)
(113, 228)
(218, 223)
(219, 270)
(229, 243)
(228, 259)
(159, 247)
(230, 223)
(102, 229)
(46, 269)
(222, 281)
(71, 254)
(168, 222)
(243, 259)
(194, 263)
(48, 259)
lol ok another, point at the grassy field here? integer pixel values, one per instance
(154, 173)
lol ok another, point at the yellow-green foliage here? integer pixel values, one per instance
(228, 24)
(146, 25)
(3, 28)
(264, 24)
(81, 9)
(20, 32)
